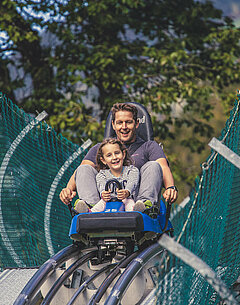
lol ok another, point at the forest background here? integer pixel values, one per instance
(74, 59)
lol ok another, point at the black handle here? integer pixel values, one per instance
(71, 210)
(113, 182)
(168, 211)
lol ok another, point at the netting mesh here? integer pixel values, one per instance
(33, 169)
(209, 227)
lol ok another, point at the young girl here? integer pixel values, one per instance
(113, 161)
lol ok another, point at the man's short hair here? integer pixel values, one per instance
(124, 107)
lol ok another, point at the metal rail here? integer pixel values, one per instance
(131, 271)
(57, 285)
(40, 276)
(88, 281)
(110, 278)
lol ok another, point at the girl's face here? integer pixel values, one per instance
(113, 157)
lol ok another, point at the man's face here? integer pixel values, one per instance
(125, 126)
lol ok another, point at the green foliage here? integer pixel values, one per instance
(73, 120)
(170, 55)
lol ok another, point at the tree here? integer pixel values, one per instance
(156, 55)
(170, 55)
(22, 45)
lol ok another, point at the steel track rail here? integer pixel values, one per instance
(40, 276)
(110, 278)
(59, 282)
(88, 281)
(131, 271)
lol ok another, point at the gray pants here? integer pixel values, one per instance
(151, 178)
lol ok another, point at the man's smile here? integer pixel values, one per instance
(125, 132)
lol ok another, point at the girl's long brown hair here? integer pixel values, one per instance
(127, 160)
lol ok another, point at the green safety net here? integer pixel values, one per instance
(208, 226)
(35, 164)
(34, 223)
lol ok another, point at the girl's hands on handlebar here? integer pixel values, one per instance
(106, 195)
(122, 194)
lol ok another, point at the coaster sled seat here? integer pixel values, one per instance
(89, 227)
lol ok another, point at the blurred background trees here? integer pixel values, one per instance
(74, 59)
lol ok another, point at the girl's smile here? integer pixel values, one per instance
(113, 157)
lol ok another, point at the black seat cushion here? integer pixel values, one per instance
(121, 222)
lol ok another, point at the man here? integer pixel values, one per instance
(147, 156)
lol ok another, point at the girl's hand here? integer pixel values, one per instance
(122, 194)
(106, 195)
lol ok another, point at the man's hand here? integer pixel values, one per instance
(170, 195)
(67, 195)
(106, 195)
(122, 194)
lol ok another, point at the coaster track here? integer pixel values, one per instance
(116, 278)
(122, 272)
